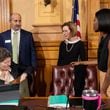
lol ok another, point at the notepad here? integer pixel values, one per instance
(57, 101)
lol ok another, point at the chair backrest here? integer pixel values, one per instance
(71, 80)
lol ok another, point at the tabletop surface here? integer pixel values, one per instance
(40, 103)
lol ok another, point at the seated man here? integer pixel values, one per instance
(11, 73)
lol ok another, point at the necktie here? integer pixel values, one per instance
(15, 47)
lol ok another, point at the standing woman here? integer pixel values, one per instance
(72, 48)
(102, 24)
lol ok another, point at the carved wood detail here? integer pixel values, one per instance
(4, 14)
(92, 36)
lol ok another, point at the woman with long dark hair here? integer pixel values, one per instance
(102, 24)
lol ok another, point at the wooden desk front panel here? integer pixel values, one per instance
(34, 103)
(40, 103)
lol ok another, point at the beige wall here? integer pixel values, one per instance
(67, 11)
(27, 9)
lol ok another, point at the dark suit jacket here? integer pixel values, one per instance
(27, 54)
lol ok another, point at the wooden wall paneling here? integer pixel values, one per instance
(4, 14)
(47, 35)
(50, 14)
(92, 36)
(83, 19)
(105, 3)
(67, 10)
(47, 54)
(47, 39)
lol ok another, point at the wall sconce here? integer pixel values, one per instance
(47, 2)
(53, 3)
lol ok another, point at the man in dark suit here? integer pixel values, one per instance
(22, 47)
(25, 50)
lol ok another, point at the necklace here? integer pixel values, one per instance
(68, 50)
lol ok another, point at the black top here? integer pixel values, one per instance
(69, 52)
(103, 53)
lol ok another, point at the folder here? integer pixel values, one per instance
(57, 101)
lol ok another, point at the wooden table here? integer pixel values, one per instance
(40, 103)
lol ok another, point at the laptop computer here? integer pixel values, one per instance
(9, 94)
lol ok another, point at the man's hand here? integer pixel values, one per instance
(23, 77)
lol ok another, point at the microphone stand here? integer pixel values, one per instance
(68, 100)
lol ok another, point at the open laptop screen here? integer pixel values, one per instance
(9, 94)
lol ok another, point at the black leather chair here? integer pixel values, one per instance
(71, 79)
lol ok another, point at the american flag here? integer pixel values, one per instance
(75, 16)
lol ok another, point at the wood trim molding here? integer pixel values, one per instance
(4, 14)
